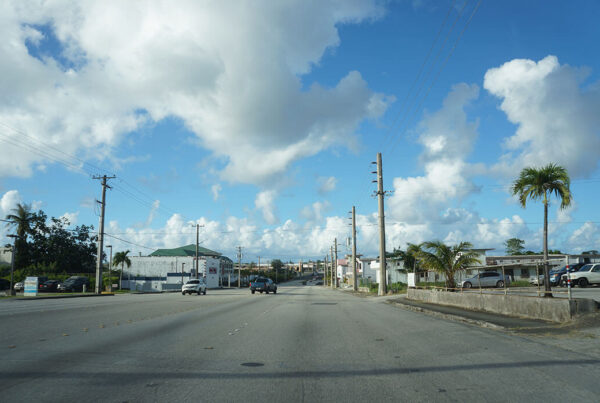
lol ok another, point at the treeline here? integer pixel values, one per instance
(47, 246)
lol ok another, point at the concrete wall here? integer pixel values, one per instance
(551, 309)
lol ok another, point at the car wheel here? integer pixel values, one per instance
(261, 292)
(204, 291)
(467, 285)
(252, 291)
(583, 282)
(267, 291)
(500, 284)
(275, 291)
(183, 293)
(198, 293)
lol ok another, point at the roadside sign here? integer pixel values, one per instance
(411, 279)
(31, 286)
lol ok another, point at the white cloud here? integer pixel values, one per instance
(314, 212)
(557, 118)
(232, 74)
(71, 217)
(9, 201)
(447, 137)
(326, 184)
(586, 237)
(216, 190)
(265, 202)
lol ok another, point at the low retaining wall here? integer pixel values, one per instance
(551, 309)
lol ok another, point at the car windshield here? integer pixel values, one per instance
(193, 282)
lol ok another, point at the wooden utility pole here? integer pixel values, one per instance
(354, 279)
(325, 269)
(98, 288)
(332, 268)
(239, 266)
(381, 195)
(197, 235)
(336, 259)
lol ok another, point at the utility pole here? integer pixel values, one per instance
(380, 195)
(12, 264)
(104, 178)
(332, 268)
(354, 274)
(239, 266)
(109, 268)
(197, 235)
(325, 269)
(182, 266)
(336, 259)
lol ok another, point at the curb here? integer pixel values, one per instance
(455, 318)
(61, 297)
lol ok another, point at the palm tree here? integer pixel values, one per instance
(122, 259)
(536, 184)
(21, 218)
(447, 259)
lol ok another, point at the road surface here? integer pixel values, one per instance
(306, 343)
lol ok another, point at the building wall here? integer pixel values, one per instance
(168, 273)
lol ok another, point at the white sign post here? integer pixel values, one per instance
(31, 287)
(411, 279)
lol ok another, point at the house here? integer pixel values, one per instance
(523, 267)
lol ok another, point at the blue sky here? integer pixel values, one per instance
(260, 121)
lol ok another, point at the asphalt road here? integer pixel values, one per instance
(306, 343)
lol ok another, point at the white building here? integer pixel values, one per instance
(168, 269)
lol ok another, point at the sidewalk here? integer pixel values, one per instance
(493, 320)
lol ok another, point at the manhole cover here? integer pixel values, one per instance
(324, 303)
(253, 364)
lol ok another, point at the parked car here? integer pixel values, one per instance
(539, 280)
(49, 286)
(486, 279)
(556, 275)
(263, 285)
(588, 274)
(4, 284)
(74, 283)
(196, 286)
(19, 286)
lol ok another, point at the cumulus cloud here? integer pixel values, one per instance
(9, 201)
(556, 116)
(70, 217)
(314, 212)
(216, 190)
(265, 202)
(326, 184)
(447, 137)
(231, 74)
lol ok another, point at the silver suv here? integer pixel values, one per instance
(195, 286)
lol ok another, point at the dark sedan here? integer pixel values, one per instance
(49, 286)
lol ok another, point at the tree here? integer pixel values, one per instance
(446, 259)
(276, 264)
(514, 246)
(21, 218)
(536, 184)
(122, 259)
